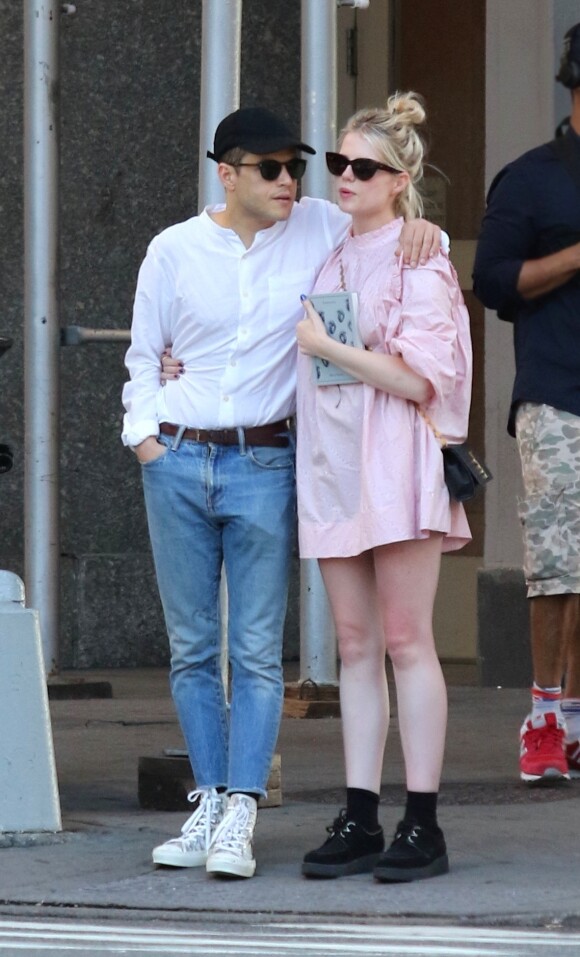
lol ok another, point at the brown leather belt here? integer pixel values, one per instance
(271, 435)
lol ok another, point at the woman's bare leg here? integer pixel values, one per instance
(364, 698)
(407, 574)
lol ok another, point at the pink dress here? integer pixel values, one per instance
(369, 468)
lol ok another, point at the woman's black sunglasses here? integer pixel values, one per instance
(362, 168)
(270, 169)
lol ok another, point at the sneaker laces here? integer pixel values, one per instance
(197, 830)
(548, 732)
(234, 832)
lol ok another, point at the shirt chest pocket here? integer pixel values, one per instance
(284, 291)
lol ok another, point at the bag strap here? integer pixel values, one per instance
(442, 441)
(566, 152)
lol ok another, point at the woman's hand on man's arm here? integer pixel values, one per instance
(171, 368)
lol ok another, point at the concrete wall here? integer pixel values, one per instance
(129, 112)
(519, 115)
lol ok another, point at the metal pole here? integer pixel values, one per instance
(79, 335)
(221, 35)
(221, 42)
(41, 322)
(317, 638)
(318, 80)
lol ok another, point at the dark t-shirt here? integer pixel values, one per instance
(534, 210)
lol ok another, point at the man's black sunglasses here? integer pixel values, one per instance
(362, 168)
(270, 169)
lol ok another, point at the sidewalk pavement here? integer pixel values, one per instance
(514, 852)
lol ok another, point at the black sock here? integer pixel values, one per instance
(422, 808)
(363, 807)
(250, 794)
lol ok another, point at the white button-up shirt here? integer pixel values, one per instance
(229, 314)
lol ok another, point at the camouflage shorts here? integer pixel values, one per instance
(549, 446)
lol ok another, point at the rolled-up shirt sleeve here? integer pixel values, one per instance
(505, 242)
(150, 333)
(427, 335)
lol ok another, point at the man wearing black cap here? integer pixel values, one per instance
(527, 267)
(217, 456)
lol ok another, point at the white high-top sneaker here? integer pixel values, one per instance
(230, 852)
(190, 849)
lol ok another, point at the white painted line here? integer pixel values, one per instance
(309, 940)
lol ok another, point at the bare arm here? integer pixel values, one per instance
(540, 276)
(388, 373)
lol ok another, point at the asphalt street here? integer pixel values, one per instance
(513, 853)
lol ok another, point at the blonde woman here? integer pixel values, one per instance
(373, 505)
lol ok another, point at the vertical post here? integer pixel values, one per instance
(41, 321)
(221, 32)
(318, 79)
(221, 37)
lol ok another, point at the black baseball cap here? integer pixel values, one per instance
(256, 130)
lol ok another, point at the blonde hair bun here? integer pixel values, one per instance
(409, 107)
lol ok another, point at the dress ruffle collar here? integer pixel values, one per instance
(374, 236)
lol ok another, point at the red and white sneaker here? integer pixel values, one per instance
(573, 756)
(543, 757)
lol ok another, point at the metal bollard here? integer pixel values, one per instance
(29, 799)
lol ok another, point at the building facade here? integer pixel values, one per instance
(129, 117)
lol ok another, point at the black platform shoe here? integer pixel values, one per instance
(348, 850)
(417, 852)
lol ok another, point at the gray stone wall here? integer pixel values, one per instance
(129, 120)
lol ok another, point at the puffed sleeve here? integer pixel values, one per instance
(426, 334)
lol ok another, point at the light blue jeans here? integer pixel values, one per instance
(207, 504)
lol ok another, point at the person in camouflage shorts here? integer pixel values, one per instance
(527, 268)
(549, 446)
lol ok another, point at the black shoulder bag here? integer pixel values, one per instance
(464, 472)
